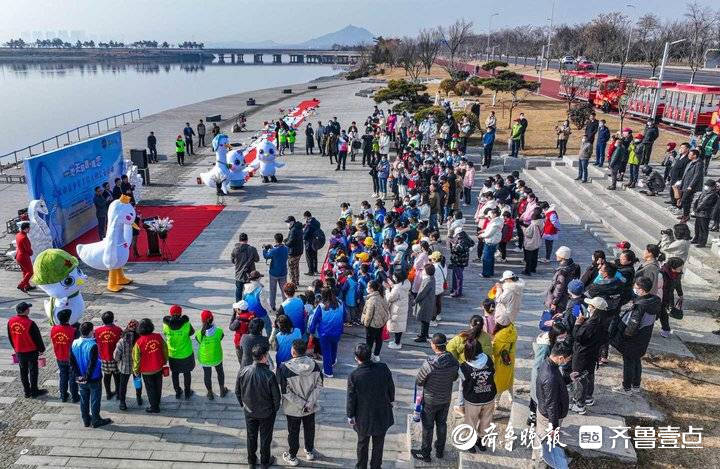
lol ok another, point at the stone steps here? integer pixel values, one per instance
(555, 186)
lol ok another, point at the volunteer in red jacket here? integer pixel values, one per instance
(149, 356)
(62, 336)
(23, 256)
(551, 228)
(107, 336)
(27, 342)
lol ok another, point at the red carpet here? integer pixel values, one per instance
(295, 116)
(189, 222)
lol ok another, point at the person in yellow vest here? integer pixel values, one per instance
(149, 356)
(291, 137)
(178, 333)
(210, 353)
(180, 150)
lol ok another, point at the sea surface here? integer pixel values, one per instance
(41, 100)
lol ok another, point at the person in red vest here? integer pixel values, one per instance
(62, 336)
(27, 342)
(551, 228)
(149, 356)
(23, 256)
(107, 336)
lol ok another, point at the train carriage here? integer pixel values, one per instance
(640, 103)
(690, 106)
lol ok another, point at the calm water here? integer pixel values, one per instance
(39, 101)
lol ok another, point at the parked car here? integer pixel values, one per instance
(567, 60)
(585, 65)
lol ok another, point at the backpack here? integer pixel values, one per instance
(243, 327)
(318, 240)
(404, 266)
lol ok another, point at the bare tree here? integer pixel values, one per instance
(650, 40)
(601, 36)
(428, 44)
(701, 21)
(631, 88)
(453, 38)
(408, 57)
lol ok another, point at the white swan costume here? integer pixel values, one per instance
(220, 173)
(264, 161)
(39, 234)
(58, 275)
(113, 251)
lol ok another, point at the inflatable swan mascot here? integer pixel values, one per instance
(112, 253)
(236, 164)
(58, 275)
(220, 173)
(265, 161)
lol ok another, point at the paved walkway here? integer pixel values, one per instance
(186, 433)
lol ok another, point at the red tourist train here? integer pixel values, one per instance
(679, 104)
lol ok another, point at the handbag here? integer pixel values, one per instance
(676, 310)
(411, 274)
(385, 333)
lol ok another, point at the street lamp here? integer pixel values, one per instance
(627, 51)
(487, 48)
(660, 77)
(547, 49)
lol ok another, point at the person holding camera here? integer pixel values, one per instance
(278, 257)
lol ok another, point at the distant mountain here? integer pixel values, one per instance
(348, 36)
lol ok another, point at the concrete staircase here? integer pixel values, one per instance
(626, 214)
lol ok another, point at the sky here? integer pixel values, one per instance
(290, 21)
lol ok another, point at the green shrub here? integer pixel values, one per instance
(461, 88)
(458, 115)
(447, 85)
(475, 90)
(437, 111)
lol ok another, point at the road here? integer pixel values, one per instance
(702, 77)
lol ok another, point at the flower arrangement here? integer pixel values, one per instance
(161, 226)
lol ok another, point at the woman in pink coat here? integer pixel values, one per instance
(421, 253)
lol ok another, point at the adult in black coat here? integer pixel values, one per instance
(589, 335)
(309, 230)
(553, 400)
(611, 287)
(633, 335)
(591, 128)
(370, 397)
(556, 297)
(691, 182)
(258, 393)
(703, 207)
(678, 169)
(651, 134)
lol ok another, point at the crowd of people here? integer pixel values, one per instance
(391, 263)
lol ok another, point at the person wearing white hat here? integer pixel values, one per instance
(556, 297)
(240, 323)
(508, 297)
(588, 336)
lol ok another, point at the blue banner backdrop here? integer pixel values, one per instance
(66, 178)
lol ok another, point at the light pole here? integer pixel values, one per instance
(547, 49)
(487, 48)
(660, 77)
(627, 50)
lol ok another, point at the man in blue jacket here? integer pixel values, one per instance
(85, 362)
(603, 136)
(278, 256)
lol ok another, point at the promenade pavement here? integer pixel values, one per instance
(46, 432)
